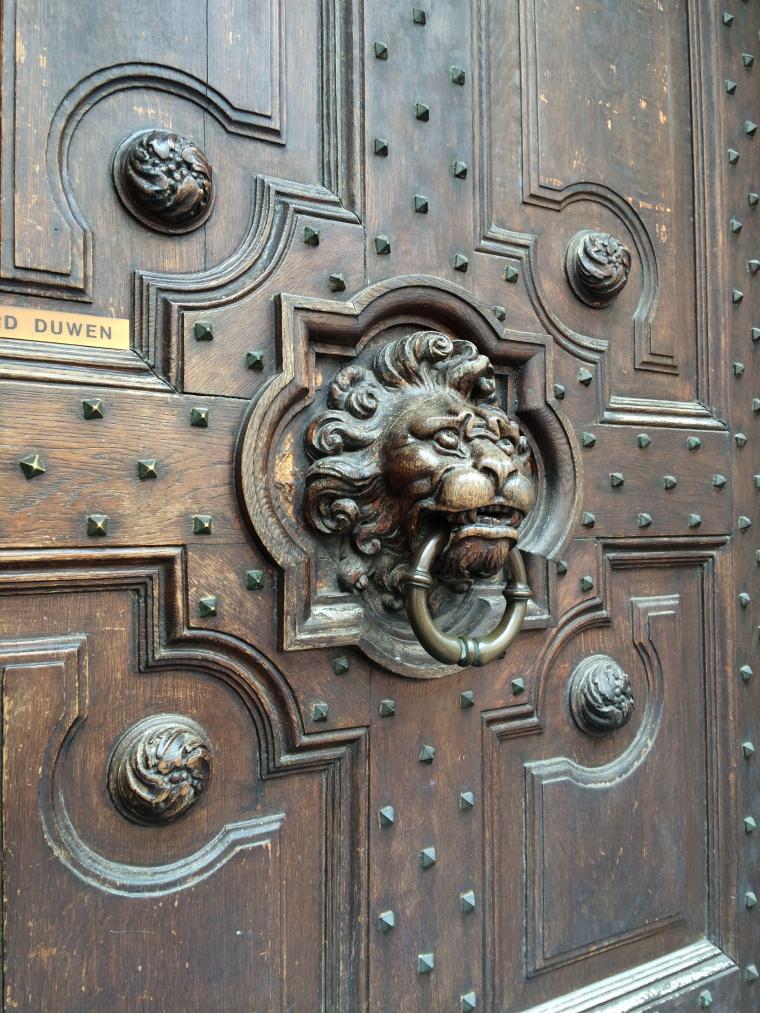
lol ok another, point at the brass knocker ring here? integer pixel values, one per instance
(462, 651)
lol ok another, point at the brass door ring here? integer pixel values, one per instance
(455, 650)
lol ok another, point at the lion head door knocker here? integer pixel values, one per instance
(427, 480)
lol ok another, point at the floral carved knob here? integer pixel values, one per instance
(164, 180)
(159, 768)
(601, 698)
(597, 267)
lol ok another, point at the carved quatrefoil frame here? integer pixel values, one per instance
(316, 337)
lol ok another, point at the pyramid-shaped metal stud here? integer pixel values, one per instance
(736, 295)
(387, 708)
(750, 826)
(750, 899)
(643, 440)
(458, 75)
(467, 901)
(588, 439)
(203, 330)
(756, 404)
(753, 199)
(380, 146)
(387, 816)
(147, 468)
(745, 672)
(756, 480)
(254, 361)
(561, 567)
(669, 481)
(460, 262)
(427, 857)
(336, 282)
(753, 265)
(319, 711)
(559, 391)
(587, 583)
(32, 465)
(341, 664)
(584, 376)
(386, 921)
(97, 525)
(468, 1002)
(644, 520)
(518, 685)
(466, 800)
(511, 274)
(755, 334)
(199, 417)
(421, 204)
(744, 522)
(381, 51)
(202, 524)
(459, 169)
(425, 963)
(750, 128)
(705, 999)
(719, 481)
(421, 111)
(254, 580)
(736, 226)
(310, 235)
(588, 520)
(419, 17)
(207, 605)
(500, 312)
(382, 246)
(727, 19)
(694, 520)
(748, 59)
(733, 156)
(748, 748)
(693, 443)
(617, 479)
(92, 408)
(751, 973)
(740, 439)
(744, 599)
(466, 699)
(730, 86)
(426, 754)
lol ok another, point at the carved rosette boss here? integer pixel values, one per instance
(601, 698)
(597, 267)
(164, 180)
(159, 768)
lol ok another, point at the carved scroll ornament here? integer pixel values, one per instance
(164, 180)
(597, 267)
(159, 768)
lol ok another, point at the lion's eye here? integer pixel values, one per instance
(447, 438)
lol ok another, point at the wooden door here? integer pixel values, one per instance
(289, 290)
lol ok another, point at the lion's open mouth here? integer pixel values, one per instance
(496, 520)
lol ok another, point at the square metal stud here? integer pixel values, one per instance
(750, 826)
(319, 711)
(203, 330)
(421, 204)
(736, 226)
(425, 963)
(467, 901)
(458, 75)
(254, 580)
(733, 156)
(92, 408)
(748, 59)
(755, 334)
(386, 921)
(382, 246)
(147, 468)
(750, 899)
(426, 754)
(559, 391)
(97, 525)
(561, 567)
(466, 800)
(421, 111)
(511, 274)
(387, 816)
(643, 440)
(736, 296)
(311, 235)
(460, 262)
(500, 312)
(466, 699)
(744, 599)
(744, 522)
(730, 86)
(587, 583)
(750, 128)
(380, 146)
(719, 481)
(427, 857)
(748, 748)
(459, 169)
(751, 973)
(255, 361)
(745, 672)
(727, 19)
(518, 685)
(588, 520)
(695, 520)
(644, 520)
(381, 51)
(740, 439)
(32, 465)
(693, 443)
(419, 17)
(468, 1002)
(387, 708)
(584, 376)
(669, 481)
(705, 998)
(336, 282)
(207, 605)
(341, 664)
(753, 265)
(202, 524)
(199, 418)
(588, 440)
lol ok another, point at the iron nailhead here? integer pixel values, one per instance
(738, 368)
(387, 816)
(584, 376)
(92, 408)
(751, 973)
(588, 439)
(643, 440)
(386, 920)
(705, 998)
(559, 391)
(730, 86)
(460, 262)
(518, 685)
(203, 330)
(644, 520)
(617, 479)
(427, 857)
(319, 711)
(669, 481)
(750, 899)
(733, 156)
(728, 19)
(750, 128)
(199, 418)
(744, 522)
(202, 524)
(460, 170)
(421, 204)
(255, 361)
(511, 274)
(425, 963)
(561, 567)
(736, 226)
(693, 443)
(588, 520)
(382, 245)
(419, 17)
(744, 599)
(380, 146)
(500, 312)
(207, 605)
(468, 1002)
(381, 51)
(147, 468)
(587, 583)
(97, 525)
(749, 825)
(341, 664)
(387, 708)
(736, 296)
(32, 465)
(466, 699)
(336, 282)
(748, 749)
(753, 198)
(719, 481)
(695, 520)
(745, 672)
(254, 580)
(467, 901)
(426, 754)
(740, 439)
(310, 235)
(421, 112)
(466, 800)
(458, 75)
(748, 59)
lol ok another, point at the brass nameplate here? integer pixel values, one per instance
(23, 324)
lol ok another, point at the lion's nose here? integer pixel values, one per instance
(495, 464)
